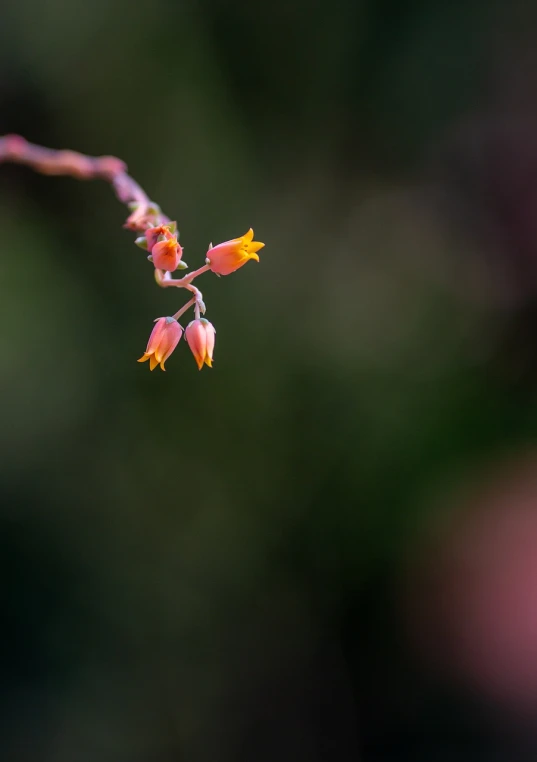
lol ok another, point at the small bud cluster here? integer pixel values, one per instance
(160, 238)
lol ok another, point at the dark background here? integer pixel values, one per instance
(239, 564)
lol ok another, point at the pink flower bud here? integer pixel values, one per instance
(230, 255)
(200, 335)
(152, 234)
(167, 254)
(165, 336)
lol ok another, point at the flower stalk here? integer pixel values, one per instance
(158, 236)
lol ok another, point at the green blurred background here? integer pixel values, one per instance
(217, 565)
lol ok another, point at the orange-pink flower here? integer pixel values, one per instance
(167, 254)
(200, 335)
(230, 255)
(163, 231)
(152, 235)
(165, 336)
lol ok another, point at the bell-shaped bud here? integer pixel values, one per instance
(165, 336)
(167, 254)
(200, 336)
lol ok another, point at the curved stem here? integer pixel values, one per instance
(48, 161)
(164, 279)
(194, 274)
(186, 307)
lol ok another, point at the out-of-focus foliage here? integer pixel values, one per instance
(213, 566)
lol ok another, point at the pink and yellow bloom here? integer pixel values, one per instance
(230, 255)
(200, 335)
(165, 336)
(167, 254)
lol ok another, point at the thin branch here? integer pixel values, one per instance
(47, 161)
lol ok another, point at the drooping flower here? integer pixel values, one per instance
(165, 336)
(166, 254)
(200, 335)
(230, 255)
